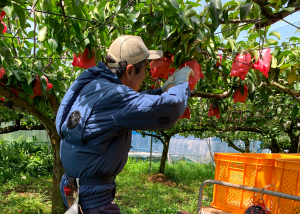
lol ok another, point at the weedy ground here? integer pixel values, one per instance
(26, 182)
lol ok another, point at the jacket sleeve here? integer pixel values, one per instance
(157, 91)
(143, 111)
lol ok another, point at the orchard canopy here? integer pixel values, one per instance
(247, 89)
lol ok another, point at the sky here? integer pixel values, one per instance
(282, 27)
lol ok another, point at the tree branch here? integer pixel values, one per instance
(222, 96)
(231, 144)
(237, 21)
(152, 135)
(23, 103)
(287, 90)
(15, 128)
(272, 18)
(54, 103)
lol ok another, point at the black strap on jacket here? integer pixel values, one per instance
(92, 181)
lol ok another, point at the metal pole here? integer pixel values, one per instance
(252, 189)
(150, 154)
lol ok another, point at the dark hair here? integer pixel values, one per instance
(120, 70)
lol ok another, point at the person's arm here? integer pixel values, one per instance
(168, 84)
(157, 91)
(142, 111)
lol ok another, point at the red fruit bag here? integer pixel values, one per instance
(161, 67)
(37, 88)
(15, 91)
(2, 71)
(82, 61)
(238, 97)
(213, 112)
(1, 17)
(197, 73)
(186, 113)
(2, 99)
(241, 65)
(263, 64)
(219, 62)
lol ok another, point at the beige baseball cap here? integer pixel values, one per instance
(128, 49)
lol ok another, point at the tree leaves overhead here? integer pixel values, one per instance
(175, 4)
(245, 10)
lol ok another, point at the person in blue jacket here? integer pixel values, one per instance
(99, 111)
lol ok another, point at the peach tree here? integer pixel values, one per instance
(45, 44)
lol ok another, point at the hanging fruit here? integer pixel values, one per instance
(186, 113)
(219, 62)
(1, 17)
(2, 99)
(238, 97)
(213, 111)
(160, 68)
(197, 73)
(241, 65)
(264, 61)
(2, 71)
(37, 88)
(82, 61)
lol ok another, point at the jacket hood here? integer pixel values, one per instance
(107, 74)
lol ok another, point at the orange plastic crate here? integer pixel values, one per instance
(287, 180)
(248, 169)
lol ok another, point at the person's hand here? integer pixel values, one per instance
(168, 84)
(182, 75)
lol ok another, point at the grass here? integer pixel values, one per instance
(26, 183)
(26, 195)
(135, 194)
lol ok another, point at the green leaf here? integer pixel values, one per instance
(167, 31)
(43, 84)
(272, 42)
(289, 9)
(175, 4)
(16, 74)
(53, 44)
(186, 20)
(200, 34)
(225, 16)
(284, 53)
(27, 89)
(274, 62)
(191, 12)
(231, 42)
(244, 10)
(241, 89)
(214, 15)
(21, 14)
(90, 51)
(264, 95)
(295, 111)
(42, 34)
(19, 2)
(211, 51)
(8, 10)
(275, 33)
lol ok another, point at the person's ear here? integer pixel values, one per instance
(129, 71)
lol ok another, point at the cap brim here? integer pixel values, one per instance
(155, 54)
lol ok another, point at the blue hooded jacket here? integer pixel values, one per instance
(98, 146)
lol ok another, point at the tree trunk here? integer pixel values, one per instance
(58, 206)
(274, 146)
(294, 144)
(247, 145)
(164, 156)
